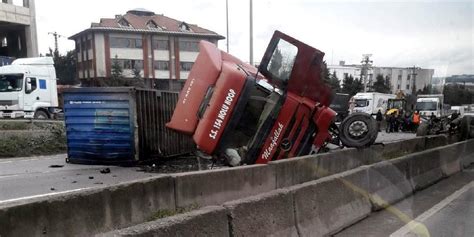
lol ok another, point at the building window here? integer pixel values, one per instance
(408, 78)
(346, 75)
(152, 25)
(124, 23)
(116, 42)
(162, 65)
(5, 1)
(408, 86)
(398, 86)
(189, 46)
(185, 27)
(399, 78)
(4, 42)
(186, 66)
(129, 63)
(89, 44)
(161, 44)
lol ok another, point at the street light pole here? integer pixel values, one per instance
(251, 32)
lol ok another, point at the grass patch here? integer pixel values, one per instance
(34, 142)
(167, 213)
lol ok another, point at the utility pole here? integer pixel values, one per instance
(366, 66)
(413, 73)
(251, 33)
(227, 22)
(56, 36)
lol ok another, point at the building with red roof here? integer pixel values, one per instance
(162, 48)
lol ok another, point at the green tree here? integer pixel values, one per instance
(351, 86)
(381, 85)
(117, 70)
(334, 82)
(136, 73)
(325, 74)
(65, 67)
(457, 95)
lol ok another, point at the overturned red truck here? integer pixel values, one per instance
(253, 115)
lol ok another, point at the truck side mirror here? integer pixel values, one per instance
(28, 85)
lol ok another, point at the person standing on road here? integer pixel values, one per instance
(396, 122)
(379, 118)
(416, 120)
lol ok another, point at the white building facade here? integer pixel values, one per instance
(402, 79)
(161, 48)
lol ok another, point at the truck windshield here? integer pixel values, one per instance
(426, 106)
(10, 83)
(361, 103)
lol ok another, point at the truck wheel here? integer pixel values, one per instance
(422, 130)
(358, 130)
(465, 128)
(40, 114)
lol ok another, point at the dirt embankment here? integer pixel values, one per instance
(26, 138)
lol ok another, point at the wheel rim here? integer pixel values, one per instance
(358, 128)
(41, 116)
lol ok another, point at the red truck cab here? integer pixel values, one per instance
(277, 111)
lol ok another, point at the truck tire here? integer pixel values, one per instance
(465, 128)
(358, 130)
(422, 130)
(40, 114)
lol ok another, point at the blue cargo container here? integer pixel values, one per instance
(121, 125)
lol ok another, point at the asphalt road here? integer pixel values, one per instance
(444, 209)
(25, 177)
(21, 178)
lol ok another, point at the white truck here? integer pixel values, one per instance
(370, 102)
(431, 104)
(28, 89)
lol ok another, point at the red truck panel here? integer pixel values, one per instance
(323, 118)
(221, 106)
(275, 136)
(204, 74)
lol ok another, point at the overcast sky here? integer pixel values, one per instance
(433, 34)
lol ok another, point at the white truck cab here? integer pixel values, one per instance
(431, 104)
(370, 102)
(28, 88)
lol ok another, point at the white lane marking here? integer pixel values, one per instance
(406, 229)
(43, 195)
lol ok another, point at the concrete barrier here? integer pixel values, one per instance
(467, 158)
(303, 169)
(435, 141)
(270, 214)
(104, 209)
(321, 207)
(425, 168)
(209, 221)
(324, 207)
(215, 187)
(87, 212)
(389, 182)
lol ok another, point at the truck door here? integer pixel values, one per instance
(31, 88)
(295, 67)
